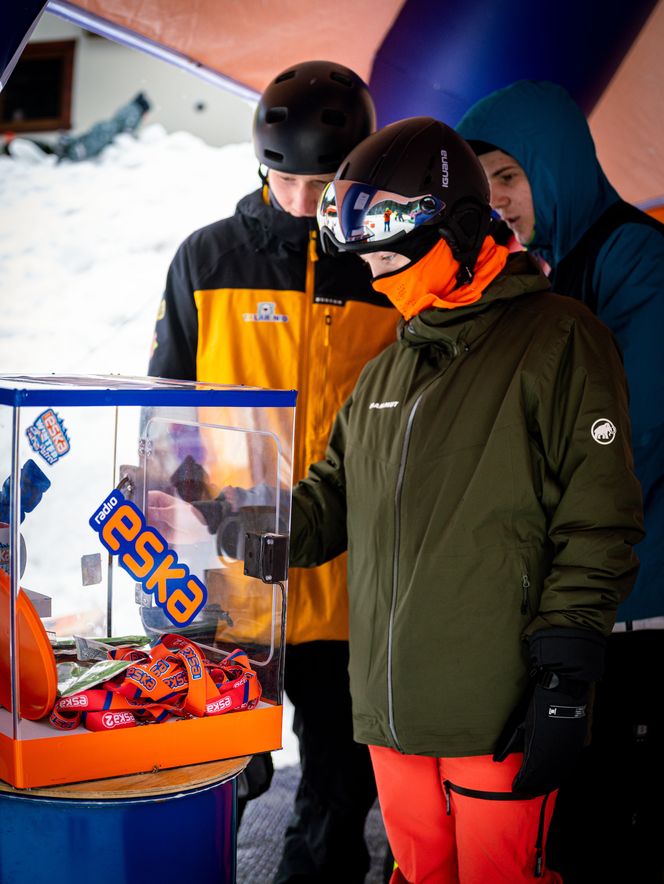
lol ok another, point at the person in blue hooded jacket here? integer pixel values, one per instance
(548, 186)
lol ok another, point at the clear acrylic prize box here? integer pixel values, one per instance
(143, 574)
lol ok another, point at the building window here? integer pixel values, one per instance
(37, 97)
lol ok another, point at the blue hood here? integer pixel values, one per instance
(545, 131)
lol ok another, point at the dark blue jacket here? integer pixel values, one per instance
(544, 130)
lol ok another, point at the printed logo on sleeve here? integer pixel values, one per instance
(603, 431)
(48, 436)
(145, 555)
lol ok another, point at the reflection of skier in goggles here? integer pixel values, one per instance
(350, 212)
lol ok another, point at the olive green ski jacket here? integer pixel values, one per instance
(480, 476)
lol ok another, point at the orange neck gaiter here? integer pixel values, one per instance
(431, 281)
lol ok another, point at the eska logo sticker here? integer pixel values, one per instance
(145, 555)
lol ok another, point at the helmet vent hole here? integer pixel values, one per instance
(333, 117)
(276, 115)
(287, 75)
(338, 77)
(273, 155)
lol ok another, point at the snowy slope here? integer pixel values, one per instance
(84, 247)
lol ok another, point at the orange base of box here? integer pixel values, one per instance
(76, 757)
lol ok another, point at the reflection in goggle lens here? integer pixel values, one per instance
(358, 213)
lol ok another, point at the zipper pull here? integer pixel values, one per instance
(448, 802)
(538, 863)
(539, 849)
(525, 586)
(313, 252)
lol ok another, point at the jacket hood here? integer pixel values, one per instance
(545, 131)
(457, 329)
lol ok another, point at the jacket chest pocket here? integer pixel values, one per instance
(530, 572)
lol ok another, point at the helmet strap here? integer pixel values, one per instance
(464, 228)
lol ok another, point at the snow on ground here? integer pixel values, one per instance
(84, 250)
(84, 247)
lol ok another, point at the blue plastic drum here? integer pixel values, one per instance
(186, 836)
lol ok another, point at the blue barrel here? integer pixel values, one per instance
(187, 836)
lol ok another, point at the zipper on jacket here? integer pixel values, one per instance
(395, 566)
(323, 417)
(300, 465)
(395, 558)
(320, 418)
(525, 586)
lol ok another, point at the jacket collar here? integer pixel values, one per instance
(272, 227)
(457, 329)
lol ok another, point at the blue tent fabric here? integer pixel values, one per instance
(438, 59)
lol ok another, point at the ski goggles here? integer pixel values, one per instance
(359, 217)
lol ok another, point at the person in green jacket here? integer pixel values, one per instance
(480, 476)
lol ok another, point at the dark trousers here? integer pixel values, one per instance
(325, 837)
(609, 818)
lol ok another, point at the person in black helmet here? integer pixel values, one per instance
(320, 321)
(480, 476)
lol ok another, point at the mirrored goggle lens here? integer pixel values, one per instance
(356, 213)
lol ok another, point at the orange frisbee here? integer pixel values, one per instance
(38, 675)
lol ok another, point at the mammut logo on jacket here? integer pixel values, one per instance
(603, 431)
(265, 313)
(383, 405)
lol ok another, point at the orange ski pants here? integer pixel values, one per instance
(442, 832)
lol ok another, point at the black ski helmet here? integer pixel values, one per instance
(415, 157)
(310, 117)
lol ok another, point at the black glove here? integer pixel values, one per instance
(550, 723)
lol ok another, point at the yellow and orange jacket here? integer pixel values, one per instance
(251, 300)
